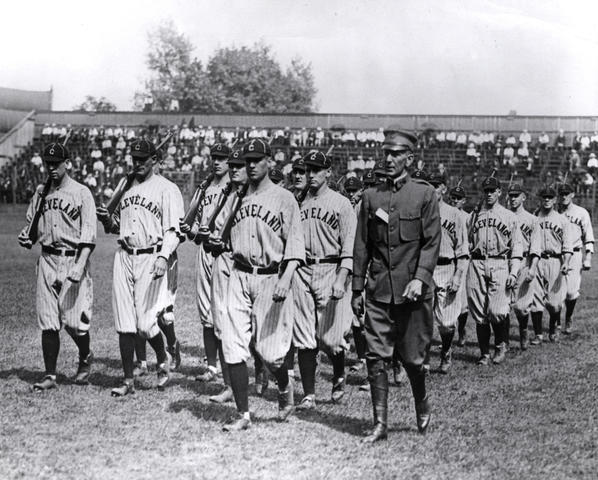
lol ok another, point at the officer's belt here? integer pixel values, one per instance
(550, 255)
(61, 252)
(479, 256)
(315, 261)
(139, 251)
(445, 261)
(256, 270)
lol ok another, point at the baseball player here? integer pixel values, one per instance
(147, 222)
(66, 231)
(369, 179)
(458, 198)
(524, 290)
(267, 245)
(276, 176)
(556, 247)
(496, 251)
(449, 272)
(583, 243)
(322, 311)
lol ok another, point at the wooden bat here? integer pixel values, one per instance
(196, 200)
(218, 248)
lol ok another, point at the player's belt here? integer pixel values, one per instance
(256, 270)
(479, 256)
(550, 255)
(315, 261)
(445, 261)
(61, 252)
(140, 251)
(577, 249)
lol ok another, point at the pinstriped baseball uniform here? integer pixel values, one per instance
(266, 232)
(453, 245)
(329, 222)
(524, 292)
(463, 287)
(147, 212)
(550, 286)
(494, 237)
(67, 222)
(583, 240)
(205, 260)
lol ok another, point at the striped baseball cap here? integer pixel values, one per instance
(55, 152)
(257, 148)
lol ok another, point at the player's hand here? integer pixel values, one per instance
(184, 228)
(511, 281)
(102, 214)
(338, 290)
(587, 263)
(529, 276)
(565, 269)
(76, 273)
(159, 268)
(281, 289)
(454, 284)
(24, 240)
(413, 290)
(357, 304)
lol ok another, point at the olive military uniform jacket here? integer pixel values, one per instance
(397, 239)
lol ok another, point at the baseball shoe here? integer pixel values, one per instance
(47, 383)
(445, 362)
(484, 360)
(568, 327)
(365, 386)
(208, 376)
(423, 415)
(380, 432)
(164, 373)
(286, 403)
(127, 388)
(84, 370)
(500, 354)
(537, 340)
(357, 367)
(524, 340)
(308, 403)
(223, 397)
(461, 339)
(140, 370)
(338, 390)
(553, 337)
(558, 324)
(237, 424)
(175, 354)
(399, 374)
(261, 383)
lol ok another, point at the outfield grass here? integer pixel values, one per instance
(533, 417)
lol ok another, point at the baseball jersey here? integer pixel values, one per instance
(147, 210)
(453, 241)
(527, 223)
(329, 223)
(554, 233)
(495, 232)
(209, 203)
(266, 229)
(68, 216)
(581, 231)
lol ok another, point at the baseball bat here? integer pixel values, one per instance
(196, 200)
(217, 249)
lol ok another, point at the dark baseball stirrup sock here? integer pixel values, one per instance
(140, 352)
(554, 317)
(126, 342)
(338, 365)
(307, 368)
(569, 307)
(289, 359)
(82, 342)
(157, 343)
(359, 339)
(50, 349)
(281, 374)
(239, 382)
(537, 322)
(522, 319)
(499, 332)
(258, 365)
(168, 331)
(447, 338)
(462, 321)
(483, 333)
(506, 329)
(210, 343)
(223, 365)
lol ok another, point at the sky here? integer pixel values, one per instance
(537, 57)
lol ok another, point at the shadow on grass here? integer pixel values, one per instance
(213, 412)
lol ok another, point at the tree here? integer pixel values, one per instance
(93, 104)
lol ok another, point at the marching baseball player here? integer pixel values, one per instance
(322, 311)
(458, 198)
(66, 230)
(147, 222)
(496, 251)
(556, 247)
(583, 243)
(267, 245)
(449, 273)
(524, 290)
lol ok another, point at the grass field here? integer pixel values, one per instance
(534, 417)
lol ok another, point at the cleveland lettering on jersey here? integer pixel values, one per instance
(142, 202)
(548, 225)
(449, 226)
(492, 223)
(258, 211)
(59, 204)
(329, 218)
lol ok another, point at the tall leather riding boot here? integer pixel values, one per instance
(379, 391)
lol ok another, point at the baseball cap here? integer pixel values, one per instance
(547, 191)
(55, 152)
(369, 178)
(317, 159)
(380, 169)
(515, 189)
(299, 165)
(396, 140)
(457, 192)
(352, 184)
(565, 189)
(490, 183)
(421, 174)
(220, 150)
(257, 148)
(236, 159)
(142, 148)
(276, 175)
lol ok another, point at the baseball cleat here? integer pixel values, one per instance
(365, 386)
(484, 360)
(127, 388)
(237, 424)
(445, 362)
(380, 432)
(553, 337)
(461, 339)
(84, 370)
(208, 376)
(175, 354)
(500, 354)
(47, 383)
(286, 403)
(338, 390)
(223, 397)
(164, 373)
(140, 370)
(537, 340)
(308, 403)
(568, 327)
(423, 415)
